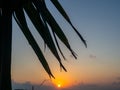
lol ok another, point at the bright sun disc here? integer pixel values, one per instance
(59, 85)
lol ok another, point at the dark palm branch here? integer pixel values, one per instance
(41, 17)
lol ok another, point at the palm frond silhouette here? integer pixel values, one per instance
(44, 23)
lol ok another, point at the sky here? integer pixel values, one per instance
(99, 64)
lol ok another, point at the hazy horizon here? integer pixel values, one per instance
(97, 66)
(81, 86)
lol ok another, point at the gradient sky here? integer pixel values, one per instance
(99, 23)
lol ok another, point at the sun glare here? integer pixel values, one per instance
(59, 85)
(61, 82)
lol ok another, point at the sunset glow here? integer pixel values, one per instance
(61, 82)
(97, 66)
(59, 85)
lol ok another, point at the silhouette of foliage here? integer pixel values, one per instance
(44, 23)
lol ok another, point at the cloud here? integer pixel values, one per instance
(116, 84)
(93, 87)
(28, 85)
(92, 56)
(118, 78)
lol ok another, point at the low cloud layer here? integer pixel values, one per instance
(28, 86)
(92, 56)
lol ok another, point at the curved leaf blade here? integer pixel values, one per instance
(43, 31)
(64, 14)
(20, 19)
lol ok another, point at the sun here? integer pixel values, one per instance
(59, 85)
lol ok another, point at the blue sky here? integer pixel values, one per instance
(99, 23)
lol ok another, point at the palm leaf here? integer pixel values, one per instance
(20, 18)
(63, 13)
(58, 46)
(53, 24)
(44, 22)
(43, 31)
(60, 9)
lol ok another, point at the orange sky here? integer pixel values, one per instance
(99, 22)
